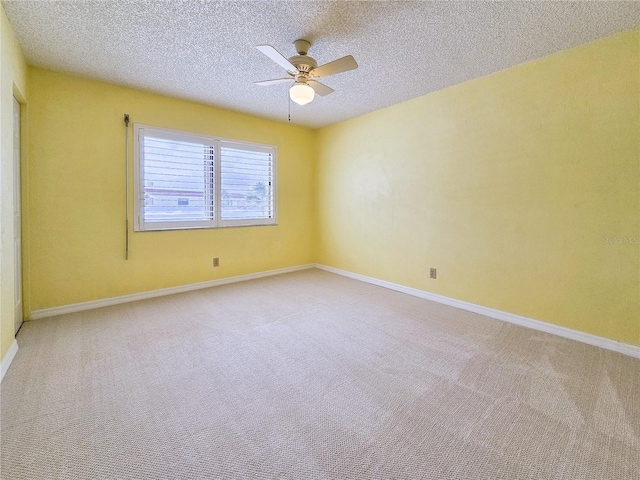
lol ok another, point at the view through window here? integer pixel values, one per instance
(190, 181)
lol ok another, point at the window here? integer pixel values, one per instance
(185, 180)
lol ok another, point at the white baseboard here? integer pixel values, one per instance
(624, 348)
(106, 302)
(8, 358)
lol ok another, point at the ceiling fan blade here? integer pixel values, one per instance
(340, 65)
(320, 88)
(272, 82)
(277, 57)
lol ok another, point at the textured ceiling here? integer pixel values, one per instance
(205, 51)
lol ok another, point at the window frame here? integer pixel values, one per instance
(218, 143)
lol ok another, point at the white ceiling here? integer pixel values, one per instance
(205, 51)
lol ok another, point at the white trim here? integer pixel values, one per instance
(606, 343)
(8, 358)
(106, 302)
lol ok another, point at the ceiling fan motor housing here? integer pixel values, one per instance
(303, 63)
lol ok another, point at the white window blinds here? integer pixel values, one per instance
(192, 181)
(246, 182)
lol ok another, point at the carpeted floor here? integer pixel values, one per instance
(312, 376)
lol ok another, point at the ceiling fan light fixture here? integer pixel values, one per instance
(301, 93)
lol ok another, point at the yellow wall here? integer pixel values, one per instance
(76, 196)
(507, 184)
(13, 80)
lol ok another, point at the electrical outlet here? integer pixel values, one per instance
(432, 273)
(216, 262)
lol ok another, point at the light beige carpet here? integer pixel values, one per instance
(312, 376)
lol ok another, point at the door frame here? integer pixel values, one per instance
(17, 215)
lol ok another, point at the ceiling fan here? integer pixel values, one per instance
(303, 70)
